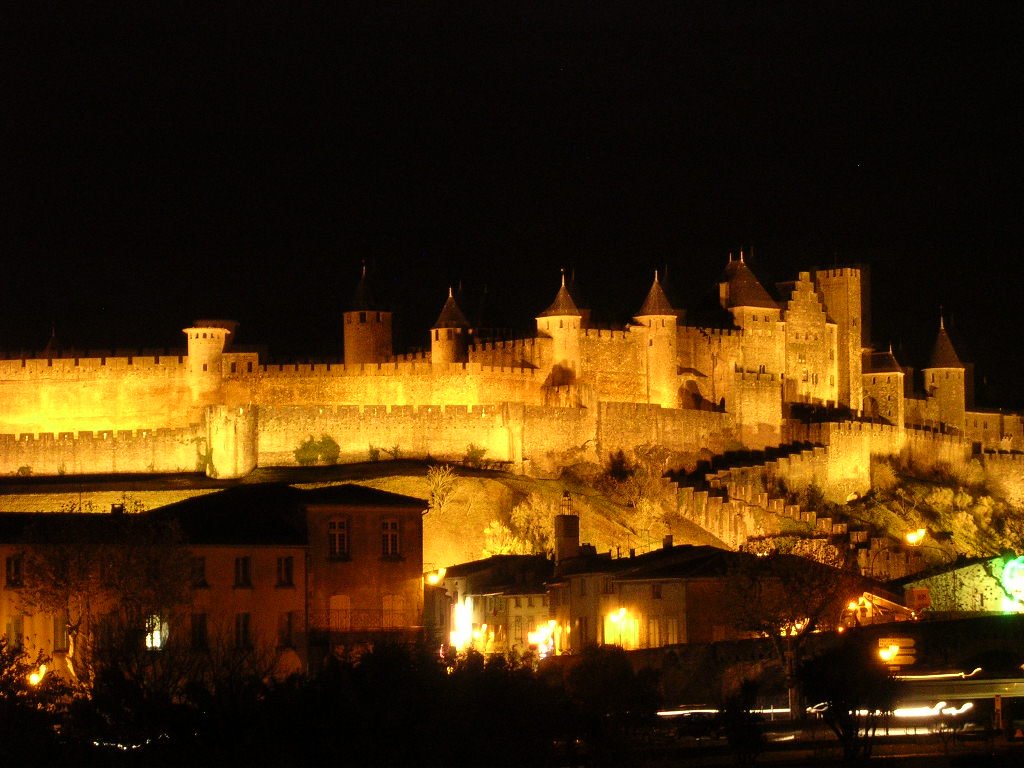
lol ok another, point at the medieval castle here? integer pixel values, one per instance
(568, 387)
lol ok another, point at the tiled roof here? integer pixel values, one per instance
(744, 288)
(657, 302)
(562, 305)
(943, 353)
(451, 315)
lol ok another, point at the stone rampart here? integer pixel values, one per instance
(106, 452)
(439, 431)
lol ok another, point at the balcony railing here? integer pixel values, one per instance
(362, 620)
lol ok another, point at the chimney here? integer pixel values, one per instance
(666, 543)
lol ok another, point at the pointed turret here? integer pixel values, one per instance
(656, 303)
(367, 327)
(563, 305)
(945, 382)
(561, 323)
(449, 338)
(943, 353)
(657, 334)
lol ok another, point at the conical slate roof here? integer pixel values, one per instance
(451, 316)
(657, 302)
(943, 353)
(562, 305)
(744, 288)
(362, 299)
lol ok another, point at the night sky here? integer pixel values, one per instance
(163, 162)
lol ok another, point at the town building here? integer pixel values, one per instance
(291, 574)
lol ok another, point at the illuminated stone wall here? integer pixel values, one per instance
(94, 394)
(159, 450)
(842, 292)
(714, 354)
(756, 401)
(613, 363)
(883, 396)
(810, 347)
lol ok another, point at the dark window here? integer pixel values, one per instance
(200, 637)
(337, 538)
(362, 317)
(285, 569)
(197, 572)
(243, 571)
(389, 539)
(243, 630)
(13, 574)
(285, 630)
(656, 591)
(234, 367)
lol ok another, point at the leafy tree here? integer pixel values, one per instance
(785, 598)
(855, 693)
(106, 580)
(474, 455)
(29, 703)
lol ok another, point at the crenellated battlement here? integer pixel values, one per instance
(607, 334)
(397, 369)
(75, 366)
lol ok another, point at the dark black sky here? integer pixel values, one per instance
(168, 161)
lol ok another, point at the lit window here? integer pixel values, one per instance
(285, 568)
(337, 538)
(243, 571)
(60, 632)
(15, 631)
(389, 539)
(156, 633)
(13, 573)
(243, 630)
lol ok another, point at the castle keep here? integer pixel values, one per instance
(570, 386)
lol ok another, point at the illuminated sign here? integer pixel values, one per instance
(1013, 584)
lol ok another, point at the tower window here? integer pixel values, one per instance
(362, 317)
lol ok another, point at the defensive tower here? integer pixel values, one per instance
(206, 342)
(945, 382)
(842, 291)
(657, 326)
(561, 323)
(367, 328)
(449, 338)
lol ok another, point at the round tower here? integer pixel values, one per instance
(657, 332)
(367, 328)
(561, 323)
(206, 342)
(449, 338)
(945, 382)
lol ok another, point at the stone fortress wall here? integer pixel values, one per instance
(571, 387)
